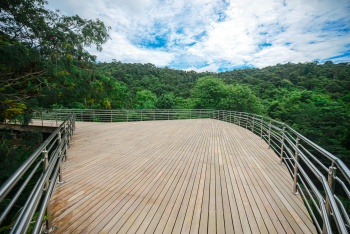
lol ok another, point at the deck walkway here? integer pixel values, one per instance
(179, 176)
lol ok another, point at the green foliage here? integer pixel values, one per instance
(15, 148)
(240, 98)
(213, 93)
(145, 99)
(166, 101)
(208, 92)
(317, 116)
(313, 98)
(43, 52)
(184, 103)
(45, 64)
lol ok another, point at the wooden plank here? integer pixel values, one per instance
(183, 176)
(126, 222)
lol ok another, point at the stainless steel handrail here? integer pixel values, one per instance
(330, 207)
(49, 154)
(305, 160)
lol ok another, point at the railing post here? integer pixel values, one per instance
(59, 139)
(239, 119)
(45, 154)
(253, 125)
(246, 121)
(67, 133)
(269, 141)
(282, 144)
(296, 158)
(331, 184)
(141, 115)
(230, 116)
(48, 223)
(127, 115)
(261, 127)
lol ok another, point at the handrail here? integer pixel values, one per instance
(49, 154)
(306, 161)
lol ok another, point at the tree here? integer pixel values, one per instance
(240, 98)
(317, 117)
(208, 92)
(145, 99)
(39, 45)
(166, 101)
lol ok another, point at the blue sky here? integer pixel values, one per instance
(219, 35)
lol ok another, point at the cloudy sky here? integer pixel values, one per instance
(219, 35)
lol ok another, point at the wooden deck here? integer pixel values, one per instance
(179, 176)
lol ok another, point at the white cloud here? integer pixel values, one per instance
(209, 35)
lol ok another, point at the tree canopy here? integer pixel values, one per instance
(45, 64)
(42, 49)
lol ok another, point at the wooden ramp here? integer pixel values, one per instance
(179, 176)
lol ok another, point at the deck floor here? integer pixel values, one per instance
(179, 176)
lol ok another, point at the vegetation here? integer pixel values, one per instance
(44, 64)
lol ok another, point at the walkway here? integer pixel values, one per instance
(179, 176)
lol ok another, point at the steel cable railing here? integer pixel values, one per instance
(36, 209)
(312, 168)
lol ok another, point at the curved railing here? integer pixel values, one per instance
(44, 168)
(312, 168)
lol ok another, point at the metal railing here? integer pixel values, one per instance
(312, 168)
(92, 115)
(42, 168)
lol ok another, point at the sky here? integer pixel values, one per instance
(218, 35)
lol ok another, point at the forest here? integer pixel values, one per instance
(44, 64)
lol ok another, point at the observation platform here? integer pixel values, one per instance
(177, 176)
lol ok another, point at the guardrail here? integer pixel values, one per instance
(312, 168)
(44, 168)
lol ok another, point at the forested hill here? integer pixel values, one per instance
(331, 79)
(313, 98)
(44, 64)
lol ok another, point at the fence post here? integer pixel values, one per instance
(296, 158)
(253, 125)
(141, 115)
(59, 139)
(239, 119)
(48, 223)
(331, 184)
(45, 154)
(261, 127)
(269, 134)
(282, 145)
(127, 115)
